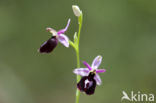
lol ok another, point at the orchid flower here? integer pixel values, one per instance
(90, 76)
(57, 36)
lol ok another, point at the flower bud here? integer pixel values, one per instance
(76, 10)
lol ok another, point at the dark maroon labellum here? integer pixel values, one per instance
(49, 45)
(87, 84)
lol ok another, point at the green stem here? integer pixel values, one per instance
(78, 76)
(75, 45)
(80, 26)
(72, 44)
(78, 57)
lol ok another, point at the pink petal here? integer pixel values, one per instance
(87, 65)
(62, 31)
(100, 70)
(81, 71)
(63, 39)
(96, 62)
(98, 79)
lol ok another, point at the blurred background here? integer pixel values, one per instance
(122, 31)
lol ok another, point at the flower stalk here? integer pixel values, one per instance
(75, 45)
(78, 57)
